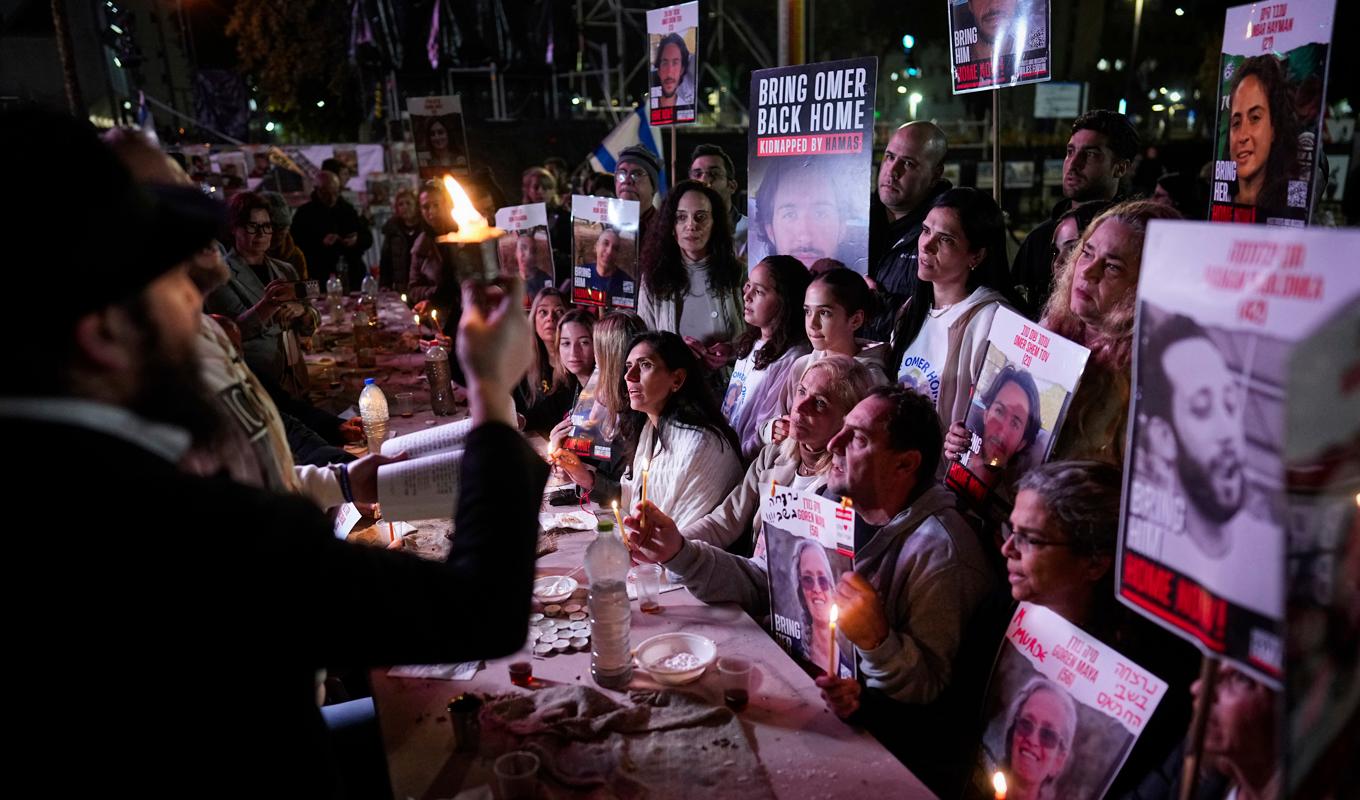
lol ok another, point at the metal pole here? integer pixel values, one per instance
(66, 52)
(673, 127)
(996, 146)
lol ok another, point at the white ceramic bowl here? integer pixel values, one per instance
(554, 588)
(657, 649)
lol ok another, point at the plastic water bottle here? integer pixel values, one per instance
(607, 561)
(373, 409)
(335, 297)
(440, 379)
(368, 290)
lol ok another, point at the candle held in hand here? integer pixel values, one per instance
(831, 666)
(618, 517)
(643, 514)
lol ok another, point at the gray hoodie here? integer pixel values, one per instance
(928, 568)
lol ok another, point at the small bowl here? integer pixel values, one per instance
(653, 651)
(554, 588)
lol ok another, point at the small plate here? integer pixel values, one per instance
(554, 588)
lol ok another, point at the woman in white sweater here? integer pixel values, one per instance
(772, 303)
(683, 451)
(961, 279)
(691, 282)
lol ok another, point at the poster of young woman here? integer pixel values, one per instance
(809, 543)
(1271, 100)
(1020, 398)
(440, 139)
(673, 50)
(810, 156)
(1063, 710)
(994, 43)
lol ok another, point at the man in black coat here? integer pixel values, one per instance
(174, 625)
(1099, 152)
(332, 234)
(909, 180)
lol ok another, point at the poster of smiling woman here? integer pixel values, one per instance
(1271, 100)
(1063, 711)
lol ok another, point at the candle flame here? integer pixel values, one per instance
(403, 298)
(434, 314)
(417, 319)
(463, 212)
(835, 613)
(615, 504)
(999, 784)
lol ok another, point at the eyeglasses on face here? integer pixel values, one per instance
(1026, 543)
(254, 228)
(712, 175)
(814, 583)
(1048, 738)
(629, 175)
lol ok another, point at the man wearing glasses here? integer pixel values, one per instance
(1099, 153)
(636, 177)
(710, 165)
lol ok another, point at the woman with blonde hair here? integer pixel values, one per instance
(538, 398)
(1093, 304)
(612, 335)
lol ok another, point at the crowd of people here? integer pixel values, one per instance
(172, 363)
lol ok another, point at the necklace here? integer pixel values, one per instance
(936, 313)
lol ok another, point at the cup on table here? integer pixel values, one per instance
(517, 775)
(734, 675)
(648, 577)
(406, 404)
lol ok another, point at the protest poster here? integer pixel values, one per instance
(995, 43)
(810, 157)
(673, 50)
(1271, 90)
(440, 139)
(526, 250)
(1063, 710)
(604, 233)
(401, 158)
(1221, 310)
(588, 437)
(231, 165)
(1020, 398)
(809, 543)
(1322, 626)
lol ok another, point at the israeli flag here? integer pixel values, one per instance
(633, 129)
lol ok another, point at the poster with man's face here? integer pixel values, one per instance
(810, 162)
(808, 542)
(673, 48)
(1206, 507)
(1271, 90)
(440, 140)
(1020, 398)
(525, 249)
(604, 252)
(1063, 710)
(996, 43)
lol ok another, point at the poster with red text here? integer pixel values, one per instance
(995, 43)
(1272, 89)
(440, 138)
(810, 150)
(1063, 710)
(809, 542)
(526, 249)
(1221, 311)
(604, 252)
(1019, 400)
(673, 50)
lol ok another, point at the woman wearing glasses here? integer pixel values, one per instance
(1059, 550)
(1043, 726)
(260, 298)
(816, 582)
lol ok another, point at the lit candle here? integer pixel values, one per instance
(773, 486)
(618, 517)
(403, 298)
(434, 315)
(999, 784)
(831, 666)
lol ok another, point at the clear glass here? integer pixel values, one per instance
(648, 581)
(734, 675)
(517, 775)
(406, 404)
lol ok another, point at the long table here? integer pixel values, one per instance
(807, 751)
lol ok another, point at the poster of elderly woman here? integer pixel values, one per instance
(808, 541)
(1271, 93)
(1063, 711)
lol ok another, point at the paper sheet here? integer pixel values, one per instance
(421, 488)
(465, 671)
(442, 438)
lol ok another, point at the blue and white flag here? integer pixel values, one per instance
(633, 129)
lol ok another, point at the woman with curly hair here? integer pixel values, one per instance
(691, 282)
(1263, 135)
